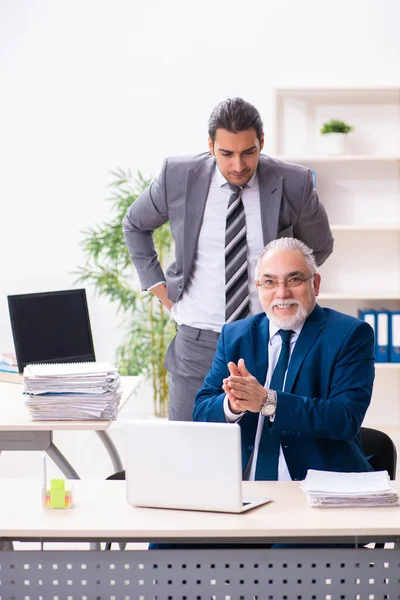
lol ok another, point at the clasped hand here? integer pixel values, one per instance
(243, 390)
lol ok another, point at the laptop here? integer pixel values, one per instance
(185, 465)
(51, 327)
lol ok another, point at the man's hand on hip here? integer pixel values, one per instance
(244, 392)
(160, 291)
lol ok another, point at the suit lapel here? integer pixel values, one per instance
(259, 342)
(307, 337)
(256, 359)
(197, 186)
(270, 199)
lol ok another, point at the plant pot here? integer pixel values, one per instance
(335, 143)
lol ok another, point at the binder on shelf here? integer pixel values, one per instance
(369, 316)
(394, 336)
(382, 336)
(314, 178)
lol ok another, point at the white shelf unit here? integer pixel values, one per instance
(374, 113)
(361, 193)
(365, 227)
(346, 158)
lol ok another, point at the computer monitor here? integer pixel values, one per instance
(51, 327)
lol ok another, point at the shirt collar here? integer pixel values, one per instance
(273, 330)
(221, 181)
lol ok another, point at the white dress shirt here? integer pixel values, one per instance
(274, 348)
(202, 303)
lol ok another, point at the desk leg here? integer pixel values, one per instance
(116, 462)
(6, 546)
(111, 449)
(61, 462)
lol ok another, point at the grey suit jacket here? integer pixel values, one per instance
(289, 208)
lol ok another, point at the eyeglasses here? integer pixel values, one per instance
(292, 282)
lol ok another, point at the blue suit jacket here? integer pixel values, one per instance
(327, 390)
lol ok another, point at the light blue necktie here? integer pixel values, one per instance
(268, 451)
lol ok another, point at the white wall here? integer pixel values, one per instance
(87, 86)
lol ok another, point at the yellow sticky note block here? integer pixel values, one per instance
(57, 493)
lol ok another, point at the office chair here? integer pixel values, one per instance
(380, 450)
(117, 476)
(381, 454)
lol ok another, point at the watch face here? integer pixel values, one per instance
(268, 409)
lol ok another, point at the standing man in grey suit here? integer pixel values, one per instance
(223, 206)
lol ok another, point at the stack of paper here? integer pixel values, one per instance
(331, 489)
(73, 391)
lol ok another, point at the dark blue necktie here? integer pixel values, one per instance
(268, 451)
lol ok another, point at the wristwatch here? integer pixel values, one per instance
(269, 407)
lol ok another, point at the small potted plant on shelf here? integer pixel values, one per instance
(336, 132)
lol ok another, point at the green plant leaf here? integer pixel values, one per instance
(335, 126)
(109, 270)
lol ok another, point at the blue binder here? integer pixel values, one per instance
(369, 316)
(394, 335)
(382, 336)
(314, 178)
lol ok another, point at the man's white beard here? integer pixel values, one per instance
(289, 322)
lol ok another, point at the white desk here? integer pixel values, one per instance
(101, 512)
(19, 432)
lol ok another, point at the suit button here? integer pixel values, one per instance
(180, 287)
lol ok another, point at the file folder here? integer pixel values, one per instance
(369, 316)
(314, 178)
(394, 337)
(382, 336)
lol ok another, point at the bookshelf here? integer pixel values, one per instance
(346, 158)
(361, 193)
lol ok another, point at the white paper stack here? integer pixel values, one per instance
(72, 391)
(331, 489)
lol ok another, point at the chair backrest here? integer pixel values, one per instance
(380, 450)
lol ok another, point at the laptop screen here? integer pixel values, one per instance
(51, 327)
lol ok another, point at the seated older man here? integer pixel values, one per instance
(298, 377)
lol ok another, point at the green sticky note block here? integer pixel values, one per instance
(57, 493)
(57, 484)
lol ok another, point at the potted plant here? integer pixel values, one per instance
(109, 269)
(336, 132)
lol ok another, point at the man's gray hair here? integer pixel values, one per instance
(289, 243)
